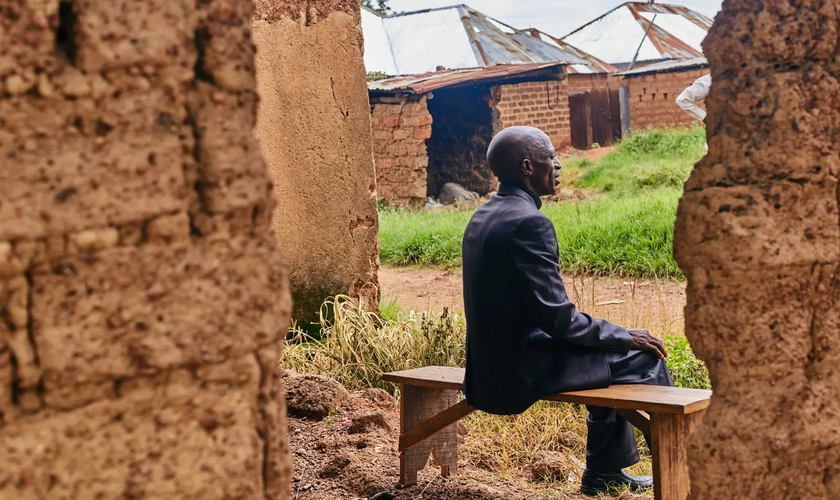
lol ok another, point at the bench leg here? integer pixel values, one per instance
(417, 405)
(669, 443)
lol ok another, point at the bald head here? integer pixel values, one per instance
(513, 145)
(524, 155)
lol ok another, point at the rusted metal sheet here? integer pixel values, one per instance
(580, 116)
(595, 117)
(677, 33)
(606, 117)
(420, 84)
(667, 67)
(456, 37)
(592, 64)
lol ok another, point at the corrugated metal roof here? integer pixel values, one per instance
(428, 82)
(677, 33)
(667, 66)
(592, 63)
(453, 37)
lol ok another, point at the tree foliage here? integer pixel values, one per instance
(380, 6)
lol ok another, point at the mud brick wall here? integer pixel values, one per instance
(586, 82)
(758, 237)
(143, 303)
(653, 99)
(314, 131)
(462, 130)
(400, 131)
(544, 105)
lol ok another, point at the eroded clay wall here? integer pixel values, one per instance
(143, 304)
(400, 131)
(758, 237)
(314, 130)
(544, 105)
(653, 99)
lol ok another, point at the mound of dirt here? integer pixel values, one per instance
(312, 396)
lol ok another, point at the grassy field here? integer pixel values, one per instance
(627, 229)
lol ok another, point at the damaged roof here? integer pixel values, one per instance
(668, 67)
(419, 84)
(677, 33)
(455, 37)
(590, 64)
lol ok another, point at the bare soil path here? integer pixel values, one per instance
(653, 304)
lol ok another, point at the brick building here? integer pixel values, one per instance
(433, 129)
(653, 91)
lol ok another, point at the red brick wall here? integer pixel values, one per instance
(399, 147)
(653, 99)
(585, 83)
(544, 105)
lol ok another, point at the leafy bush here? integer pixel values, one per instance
(686, 369)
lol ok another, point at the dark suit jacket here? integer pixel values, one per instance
(525, 340)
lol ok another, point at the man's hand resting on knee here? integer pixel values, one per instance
(644, 341)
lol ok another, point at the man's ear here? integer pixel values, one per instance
(527, 168)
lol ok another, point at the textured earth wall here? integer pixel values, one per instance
(314, 130)
(758, 236)
(399, 146)
(142, 302)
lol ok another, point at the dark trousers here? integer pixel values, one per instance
(611, 443)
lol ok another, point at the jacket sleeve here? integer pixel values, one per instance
(540, 286)
(697, 92)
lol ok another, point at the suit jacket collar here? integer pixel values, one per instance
(515, 189)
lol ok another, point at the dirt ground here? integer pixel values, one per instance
(333, 462)
(656, 305)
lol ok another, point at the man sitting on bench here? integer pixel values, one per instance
(525, 340)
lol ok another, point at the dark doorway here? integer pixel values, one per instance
(461, 132)
(595, 118)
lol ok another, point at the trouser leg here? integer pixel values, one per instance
(611, 443)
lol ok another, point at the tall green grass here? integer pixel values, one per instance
(629, 235)
(627, 230)
(651, 159)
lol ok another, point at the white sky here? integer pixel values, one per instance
(557, 17)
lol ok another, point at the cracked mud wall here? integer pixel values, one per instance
(143, 304)
(758, 236)
(314, 130)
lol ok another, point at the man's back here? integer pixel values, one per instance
(524, 339)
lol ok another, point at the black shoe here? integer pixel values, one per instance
(594, 483)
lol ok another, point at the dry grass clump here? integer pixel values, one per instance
(356, 346)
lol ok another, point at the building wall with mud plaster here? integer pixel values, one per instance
(143, 304)
(400, 131)
(758, 237)
(309, 58)
(653, 99)
(544, 105)
(585, 82)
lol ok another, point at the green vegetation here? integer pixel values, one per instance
(626, 228)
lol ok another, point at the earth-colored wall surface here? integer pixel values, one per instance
(143, 303)
(399, 145)
(758, 236)
(653, 99)
(314, 130)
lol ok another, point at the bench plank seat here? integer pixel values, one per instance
(429, 407)
(647, 398)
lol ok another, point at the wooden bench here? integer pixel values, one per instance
(429, 407)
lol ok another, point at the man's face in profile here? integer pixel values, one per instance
(546, 169)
